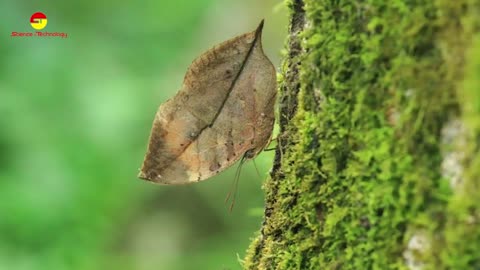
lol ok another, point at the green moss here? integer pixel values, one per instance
(462, 230)
(361, 172)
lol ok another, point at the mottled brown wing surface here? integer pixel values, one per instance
(224, 109)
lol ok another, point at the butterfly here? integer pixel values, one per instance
(223, 112)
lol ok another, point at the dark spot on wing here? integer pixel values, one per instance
(228, 74)
(215, 167)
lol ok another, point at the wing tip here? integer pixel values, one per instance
(143, 176)
(260, 27)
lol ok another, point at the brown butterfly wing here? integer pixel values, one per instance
(223, 110)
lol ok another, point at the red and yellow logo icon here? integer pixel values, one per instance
(38, 20)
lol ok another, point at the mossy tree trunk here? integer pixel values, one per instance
(378, 164)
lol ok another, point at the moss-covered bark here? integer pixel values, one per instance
(378, 163)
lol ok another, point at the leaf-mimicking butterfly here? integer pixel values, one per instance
(223, 112)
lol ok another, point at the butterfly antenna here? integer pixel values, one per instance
(256, 168)
(234, 187)
(233, 184)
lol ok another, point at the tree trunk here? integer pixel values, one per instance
(377, 164)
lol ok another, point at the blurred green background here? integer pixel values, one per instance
(75, 118)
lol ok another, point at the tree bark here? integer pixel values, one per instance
(377, 164)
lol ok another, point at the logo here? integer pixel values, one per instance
(38, 20)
